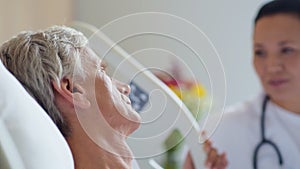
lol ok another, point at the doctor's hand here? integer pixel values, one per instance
(214, 160)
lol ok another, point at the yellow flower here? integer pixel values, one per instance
(177, 91)
(199, 90)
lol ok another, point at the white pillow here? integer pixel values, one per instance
(28, 137)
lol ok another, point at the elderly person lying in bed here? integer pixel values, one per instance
(68, 80)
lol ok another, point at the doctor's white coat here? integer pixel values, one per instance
(239, 133)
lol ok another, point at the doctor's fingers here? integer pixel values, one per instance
(216, 161)
(210, 153)
(221, 162)
(207, 146)
(212, 158)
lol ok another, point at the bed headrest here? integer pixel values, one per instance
(28, 137)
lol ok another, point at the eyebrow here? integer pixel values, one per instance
(285, 42)
(281, 43)
(258, 45)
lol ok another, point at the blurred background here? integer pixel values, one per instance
(228, 24)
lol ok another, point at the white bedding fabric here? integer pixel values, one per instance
(28, 137)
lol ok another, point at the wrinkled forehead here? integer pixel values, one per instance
(88, 53)
(89, 57)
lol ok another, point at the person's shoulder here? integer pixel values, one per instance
(237, 129)
(239, 118)
(244, 110)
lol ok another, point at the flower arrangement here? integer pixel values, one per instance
(194, 96)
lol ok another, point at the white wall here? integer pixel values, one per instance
(227, 23)
(19, 15)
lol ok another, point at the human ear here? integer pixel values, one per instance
(72, 92)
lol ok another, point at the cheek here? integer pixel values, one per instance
(258, 67)
(104, 101)
(293, 66)
(118, 101)
(106, 108)
(103, 90)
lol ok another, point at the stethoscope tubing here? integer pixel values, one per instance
(264, 140)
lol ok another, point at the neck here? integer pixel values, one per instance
(108, 153)
(290, 105)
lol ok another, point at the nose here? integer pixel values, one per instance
(123, 87)
(274, 64)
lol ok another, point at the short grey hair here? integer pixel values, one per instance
(38, 58)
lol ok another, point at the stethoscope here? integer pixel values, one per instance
(264, 140)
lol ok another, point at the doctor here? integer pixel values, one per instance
(263, 133)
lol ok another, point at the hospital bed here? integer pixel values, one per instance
(161, 110)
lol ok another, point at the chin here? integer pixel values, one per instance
(136, 119)
(279, 96)
(133, 118)
(125, 125)
(133, 125)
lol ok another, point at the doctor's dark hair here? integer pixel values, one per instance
(37, 59)
(279, 7)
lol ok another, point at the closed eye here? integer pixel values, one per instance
(103, 65)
